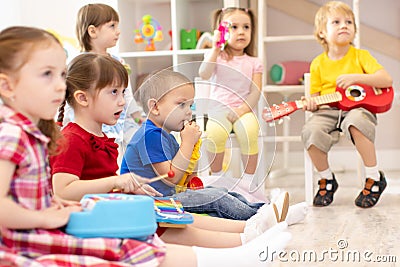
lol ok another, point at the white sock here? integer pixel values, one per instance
(255, 253)
(220, 173)
(372, 172)
(264, 219)
(297, 213)
(248, 176)
(248, 188)
(327, 174)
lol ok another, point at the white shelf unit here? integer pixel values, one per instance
(284, 90)
(172, 15)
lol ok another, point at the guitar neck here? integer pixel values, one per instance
(322, 99)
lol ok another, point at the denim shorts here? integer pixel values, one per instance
(218, 202)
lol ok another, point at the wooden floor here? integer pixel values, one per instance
(343, 234)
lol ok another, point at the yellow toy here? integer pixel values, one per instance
(184, 182)
(149, 30)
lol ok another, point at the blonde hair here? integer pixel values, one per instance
(16, 47)
(92, 14)
(321, 18)
(218, 16)
(92, 72)
(158, 84)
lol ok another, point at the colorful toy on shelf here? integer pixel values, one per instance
(289, 72)
(189, 38)
(225, 30)
(170, 35)
(205, 41)
(149, 30)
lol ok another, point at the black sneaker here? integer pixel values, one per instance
(368, 198)
(324, 197)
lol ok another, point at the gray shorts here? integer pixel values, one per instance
(324, 126)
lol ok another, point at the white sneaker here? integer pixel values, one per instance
(264, 219)
(282, 206)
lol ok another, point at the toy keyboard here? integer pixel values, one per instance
(125, 216)
(170, 213)
(114, 216)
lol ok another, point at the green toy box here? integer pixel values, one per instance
(189, 38)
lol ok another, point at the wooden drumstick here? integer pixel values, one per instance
(170, 174)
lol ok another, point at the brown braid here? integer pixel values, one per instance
(61, 110)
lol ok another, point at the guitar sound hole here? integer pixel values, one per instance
(355, 93)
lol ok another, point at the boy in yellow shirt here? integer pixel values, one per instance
(342, 65)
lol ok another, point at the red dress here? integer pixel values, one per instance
(85, 155)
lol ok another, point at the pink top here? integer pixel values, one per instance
(233, 79)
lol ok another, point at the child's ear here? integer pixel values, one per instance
(152, 106)
(321, 35)
(81, 98)
(6, 88)
(92, 31)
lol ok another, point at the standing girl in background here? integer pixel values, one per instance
(97, 30)
(32, 86)
(237, 75)
(87, 163)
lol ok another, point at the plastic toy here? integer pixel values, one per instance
(189, 38)
(205, 41)
(149, 30)
(170, 213)
(184, 183)
(195, 183)
(225, 30)
(170, 174)
(289, 72)
(114, 216)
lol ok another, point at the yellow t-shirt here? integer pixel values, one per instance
(324, 71)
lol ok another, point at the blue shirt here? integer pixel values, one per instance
(150, 144)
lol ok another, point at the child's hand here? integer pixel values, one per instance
(56, 216)
(190, 133)
(216, 38)
(146, 189)
(128, 182)
(60, 203)
(345, 80)
(309, 104)
(235, 114)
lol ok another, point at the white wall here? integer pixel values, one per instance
(9, 13)
(58, 15)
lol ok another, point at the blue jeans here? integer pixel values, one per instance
(217, 202)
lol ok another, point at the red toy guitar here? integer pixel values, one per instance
(376, 100)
